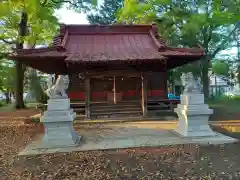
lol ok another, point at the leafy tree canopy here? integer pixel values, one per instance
(191, 23)
(42, 24)
(106, 13)
(185, 23)
(7, 74)
(29, 22)
(221, 68)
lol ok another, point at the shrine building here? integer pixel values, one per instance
(114, 70)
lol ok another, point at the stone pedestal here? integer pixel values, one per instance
(193, 116)
(57, 121)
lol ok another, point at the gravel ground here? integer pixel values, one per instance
(175, 162)
(20, 113)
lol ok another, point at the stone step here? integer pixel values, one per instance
(159, 110)
(158, 107)
(116, 113)
(115, 106)
(115, 109)
(80, 116)
(122, 102)
(79, 109)
(77, 106)
(117, 116)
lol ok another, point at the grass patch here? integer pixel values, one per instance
(225, 108)
(227, 104)
(7, 108)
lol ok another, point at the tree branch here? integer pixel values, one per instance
(7, 42)
(220, 47)
(63, 1)
(43, 3)
(46, 3)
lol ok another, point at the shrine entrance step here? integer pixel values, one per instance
(163, 107)
(79, 108)
(123, 109)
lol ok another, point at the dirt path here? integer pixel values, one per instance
(18, 117)
(19, 113)
(176, 162)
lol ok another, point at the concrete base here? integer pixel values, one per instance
(218, 138)
(132, 135)
(193, 116)
(58, 125)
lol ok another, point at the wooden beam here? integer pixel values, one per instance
(144, 93)
(114, 89)
(87, 98)
(65, 38)
(165, 79)
(116, 73)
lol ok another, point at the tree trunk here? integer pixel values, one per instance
(19, 85)
(19, 65)
(7, 95)
(238, 58)
(205, 78)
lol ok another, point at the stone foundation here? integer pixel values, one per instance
(193, 116)
(57, 121)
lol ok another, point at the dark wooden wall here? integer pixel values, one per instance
(76, 88)
(130, 87)
(157, 85)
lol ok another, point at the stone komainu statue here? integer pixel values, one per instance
(191, 85)
(58, 90)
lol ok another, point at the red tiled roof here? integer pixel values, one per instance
(111, 47)
(110, 43)
(94, 43)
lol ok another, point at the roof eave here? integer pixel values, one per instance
(45, 64)
(22, 52)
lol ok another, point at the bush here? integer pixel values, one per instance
(42, 98)
(219, 98)
(236, 98)
(1, 104)
(223, 98)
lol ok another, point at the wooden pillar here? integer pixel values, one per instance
(144, 77)
(114, 89)
(165, 79)
(87, 98)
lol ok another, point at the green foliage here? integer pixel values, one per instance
(29, 22)
(189, 23)
(237, 98)
(106, 13)
(42, 24)
(7, 74)
(221, 68)
(24, 22)
(33, 85)
(77, 5)
(220, 99)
